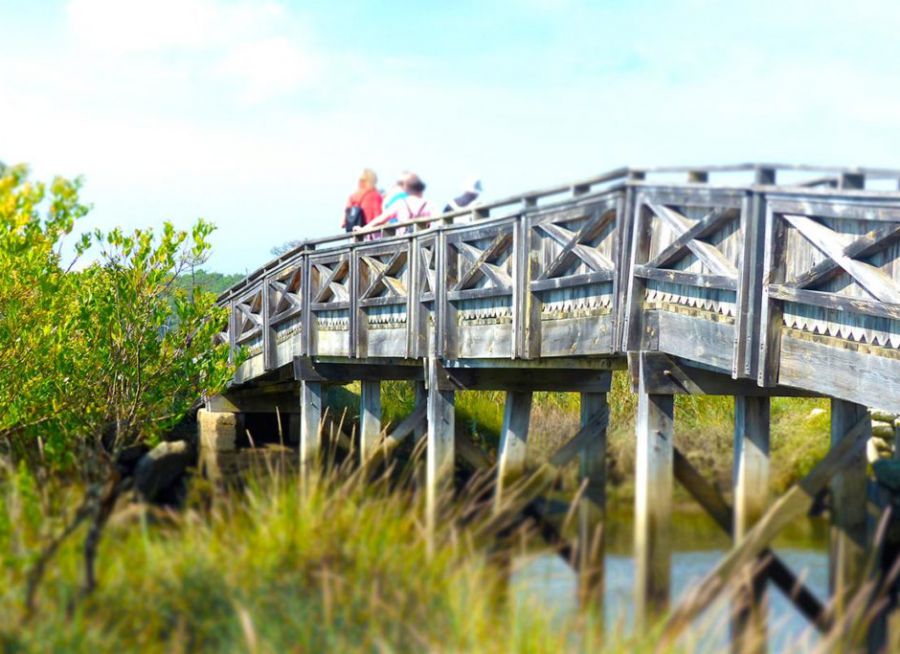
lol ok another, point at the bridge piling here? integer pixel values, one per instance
(592, 505)
(655, 429)
(513, 440)
(369, 418)
(311, 400)
(849, 530)
(751, 497)
(440, 445)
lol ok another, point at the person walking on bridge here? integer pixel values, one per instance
(364, 204)
(412, 207)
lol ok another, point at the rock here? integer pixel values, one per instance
(883, 430)
(882, 416)
(818, 411)
(160, 471)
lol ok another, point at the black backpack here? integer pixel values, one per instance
(354, 217)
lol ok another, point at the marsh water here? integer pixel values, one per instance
(698, 544)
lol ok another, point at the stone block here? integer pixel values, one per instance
(218, 431)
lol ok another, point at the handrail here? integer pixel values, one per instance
(848, 178)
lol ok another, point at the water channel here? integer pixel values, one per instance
(698, 544)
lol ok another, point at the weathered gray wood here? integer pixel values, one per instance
(710, 498)
(772, 310)
(690, 279)
(834, 370)
(642, 229)
(369, 418)
(653, 505)
(311, 418)
(697, 339)
(513, 440)
(870, 277)
(835, 302)
(666, 375)
(439, 455)
(751, 497)
(794, 503)
(847, 554)
(864, 246)
(592, 505)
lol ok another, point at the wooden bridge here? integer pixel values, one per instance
(750, 280)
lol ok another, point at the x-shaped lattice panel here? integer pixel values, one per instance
(333, 284)
(248, 316)
(692, 238)
(485, 259)
(579, 245)
(846, 252)
(285, 294)
(387, 274)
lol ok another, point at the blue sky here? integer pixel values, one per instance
(259, 115)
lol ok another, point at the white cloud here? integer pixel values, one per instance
(130, 26)
(268, 68)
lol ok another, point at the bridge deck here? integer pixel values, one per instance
(785, 277)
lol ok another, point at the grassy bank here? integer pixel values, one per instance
(265, 569)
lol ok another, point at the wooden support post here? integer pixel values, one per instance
(369, 418)
(439, 455)
(751, 498)
(310, 421)
(294, 425)
(421, 395)
(653, 503)
(592, 507)
(513, 438)
(848, 514)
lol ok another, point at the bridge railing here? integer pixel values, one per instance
(738, 268)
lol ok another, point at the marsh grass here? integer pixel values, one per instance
(703, 430)
(268, 568)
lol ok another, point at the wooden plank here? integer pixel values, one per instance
(748, 293)
(791, 505)
(751, 496)
(526, 380)
(369, 418)
(653, 506)
(634, 328)
(530, 338)
(696, 339)
(848, 489)
(835, 302)
(513, 440)
(840, 372)
(700, 280)
(592, 503)
(439, 454)
(837, 206)
(573, 280)
(771, 310)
